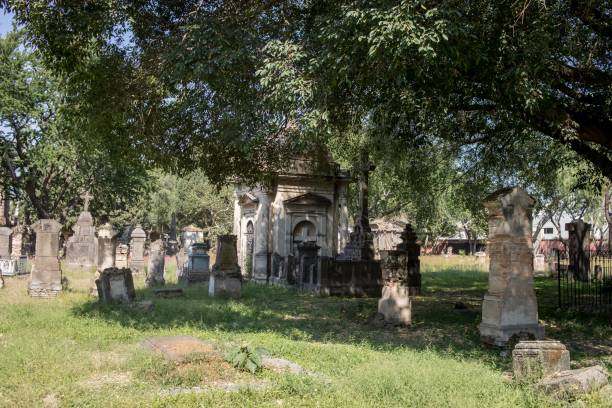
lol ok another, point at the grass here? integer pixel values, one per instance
(73, 352)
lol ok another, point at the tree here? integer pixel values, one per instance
(46, 163)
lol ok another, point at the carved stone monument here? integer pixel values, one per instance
(510, 307)
(395, 304)
(17, 239)
(122, 253)
(536, 359)
(197, 268)
(82, 246)
(115, 285)
(155, 270)
(578, 245)
(46, 276)
(225, 277)
(137, 247)
(107, 239)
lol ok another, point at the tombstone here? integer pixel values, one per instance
(225, 277)
(82, 246)
(510, 307)
(307, 264)
(46, 275)
(5, 242)
(539, 263)
(155, 270)
(122, 253)
(197, 268)
(107, 239)
(17, 241)
(412, 249)
(115, 285)
(578, 245)
(137, 247)
(536, 359)
(395, 304)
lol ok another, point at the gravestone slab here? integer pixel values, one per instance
(198, 269)
(115, 285)
(579, 381)
(5, 242)
(82, 246)
(225, 277)
(137, 247)
(107, 239)
(17, 241)
(179, 348)
(535, 359)
(395, 304)
(155, 270)
(46, 275)
(510, 307)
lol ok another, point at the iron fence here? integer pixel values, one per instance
(585, 284)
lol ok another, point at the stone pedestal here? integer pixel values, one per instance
(395, 304)
(137, 247)
(536, 359)
(510, 308)
(115, 285)
(198, 263)
(46, 276)
(225, 277)
(155, 270)
(5, 242)
(82, 247)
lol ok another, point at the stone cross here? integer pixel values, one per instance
(87, 197)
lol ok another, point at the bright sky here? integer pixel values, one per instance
(6, 22)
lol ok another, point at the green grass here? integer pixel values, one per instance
(61, 347)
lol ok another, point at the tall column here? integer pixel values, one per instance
(342, 217)
(46, 275)
(262, 233)
(510, 307)
(137, 247)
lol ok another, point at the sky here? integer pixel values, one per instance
(6, 22)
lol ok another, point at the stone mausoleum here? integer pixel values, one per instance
(307, 203)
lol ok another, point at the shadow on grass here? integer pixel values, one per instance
(303, 316)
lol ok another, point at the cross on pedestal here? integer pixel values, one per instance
(87, 197)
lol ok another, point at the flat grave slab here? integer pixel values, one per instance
(178, 348)
(168, 292)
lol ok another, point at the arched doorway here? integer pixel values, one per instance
(304, 231)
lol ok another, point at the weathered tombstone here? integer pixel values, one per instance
(578, 244)
(412, 249)
(198, 263)
(46, 275)
(395, 304)
(122, 253)
(536, 359)
(539, 263)
(510, 307)
(155, 270)
(5, 242)
(137, 247)
(115, 285)
(17, 241)
(225, 277)
(82, 246)
(106, 251)
(579, 381)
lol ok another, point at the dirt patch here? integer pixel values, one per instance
(179, 348)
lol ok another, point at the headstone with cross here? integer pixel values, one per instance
(82, 246)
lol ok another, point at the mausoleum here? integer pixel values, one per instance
(306, 203)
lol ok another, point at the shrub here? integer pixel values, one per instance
(245, 358)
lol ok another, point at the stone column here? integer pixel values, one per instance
(106, 252)
(46, 276)
(578, 245)
(5, 242)
(262, 232)
(510, 307)
(137, 247)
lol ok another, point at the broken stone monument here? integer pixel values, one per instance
(46, 275)
(395, 304)
(225, 277)
(137, 247)
(198, 261)
(578, 381)
(115, 285)
(155, 270)
(510, 307)
(536, 359)
(107, 237)
(122, 253)
(578, 245)
(82, 246)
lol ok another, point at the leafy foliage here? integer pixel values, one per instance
(245, 358)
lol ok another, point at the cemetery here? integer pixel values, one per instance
(318, 204)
